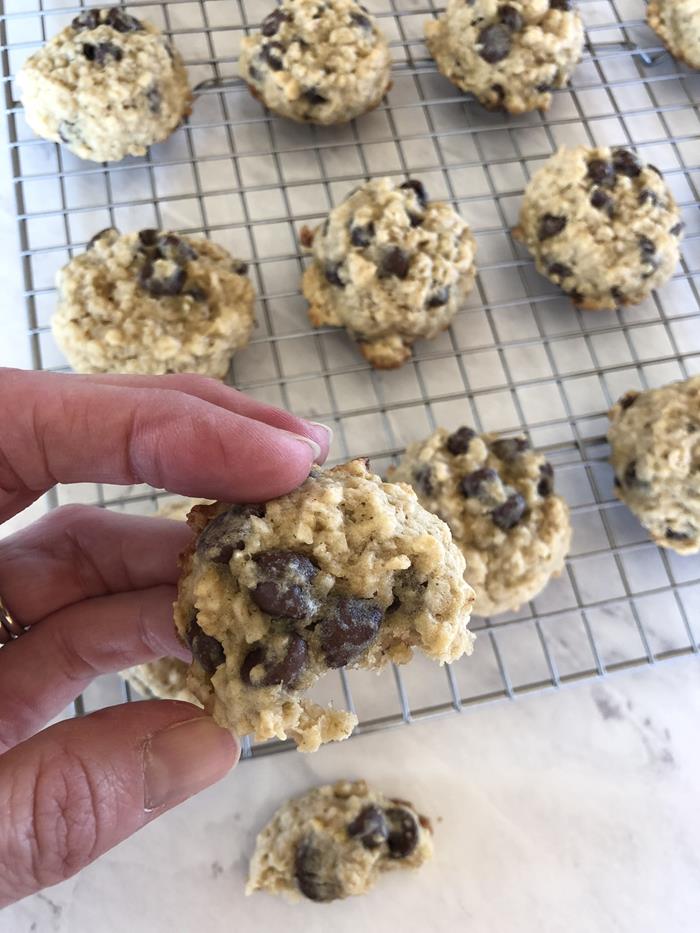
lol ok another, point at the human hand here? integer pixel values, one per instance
(96, 589)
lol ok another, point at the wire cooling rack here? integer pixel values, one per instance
(517, 356)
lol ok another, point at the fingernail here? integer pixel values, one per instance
(326, 427)
(184, 759)
(312, 444)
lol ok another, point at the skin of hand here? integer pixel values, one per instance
(95, 590)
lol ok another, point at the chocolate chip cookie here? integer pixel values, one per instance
(153, 302)
(317, 62)
(602, 225)
(655, 452)
(390, 266)
(508, 55)
(109, 85)
(497, 495)
(677, 23)
(346, 571)
(165, 679)
(335, 841)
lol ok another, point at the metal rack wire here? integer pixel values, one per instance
(517, 356)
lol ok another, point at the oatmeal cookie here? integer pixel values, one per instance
(602, 225)
(108, 86)
(335, 841)
(344, 571)
(390, 266)
(317, 62)
(153, 302)
(677, 23)
(508, 55)
(497, 496)
(655, 452)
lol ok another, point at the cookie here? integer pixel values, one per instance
(508, 55)
(108, 86)
(335, 841)
(317, 62)
(346, 571)
(497, 495)
(655, 452)
(602, 225)
(677, 24)
(390, 266)
(165, 679)
(153, 302)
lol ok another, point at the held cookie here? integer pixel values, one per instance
(497, 496)
(153, 302)
(508, 55)
(344, 571)
(655, 452)
(389, 266)
(108, 86)
(601, 224)
(335, 841)
(317, 62)
(677, 23)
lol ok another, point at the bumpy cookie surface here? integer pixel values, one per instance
(165, 679)
(153, 302)
(677, 23)
(655, 452)
(389, 266)
(601, 224)
(335, 841)
(108, 86)
(344, 571)
(508, 55)
(317, 62)
(497, 496)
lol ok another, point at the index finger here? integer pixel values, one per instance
(63, 429)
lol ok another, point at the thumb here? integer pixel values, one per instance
(75, 790)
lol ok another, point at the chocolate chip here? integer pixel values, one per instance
(161, 286)
(364, 22)
(272, 53)
(508, 448)
(438, 298)
(559, 270)
(628, 400)
(283, 589)
(239, 267)
(362, 235)
(647, 249)
(550, 225)
(149, 237)
(101, 52)
(196, 293)
(646, 194)
(331, 273)
(65, 131)
(626, 163)
(314, 869)
(473, 484)
(500, 93)
(206, 650)
(415, 220)
(563, 5)
(545, 486)
(98, 236)
(677, 535)
(154, 99)
(677, 229)
(284, 670)
(418, 187)
(495, 42)
(350, 626)
(630, 477)
(395, 262)
(369, 827)
(575, 296)
(511, 17)
(618, 295)
(174, 248)
(121, 21)
(655, 169)
(423, 478)
(544, 87)
(225, 533)
(403, 832)
(601, 172)
(458, 442)
(272, 22)
(312, 97)
(603, 202)
(89, 19)
(508, 514)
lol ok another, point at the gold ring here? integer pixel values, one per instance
(9, 627)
